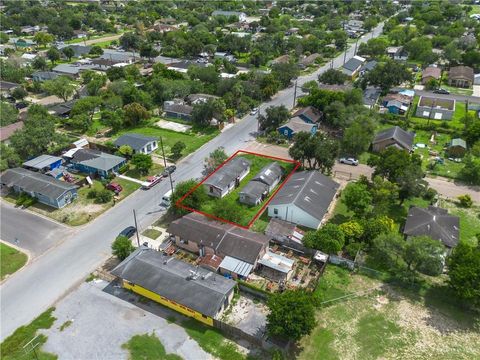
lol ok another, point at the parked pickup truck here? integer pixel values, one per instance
(151, 182)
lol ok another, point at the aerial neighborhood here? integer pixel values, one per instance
(239, 179)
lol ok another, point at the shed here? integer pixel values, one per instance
(43, 163)
(457, 148)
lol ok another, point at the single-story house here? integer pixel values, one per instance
(397, 103)
(296, 125)
(276, 267)
(28, 57)
(91, 161)
(394, 136)
(309, 60)
(44, 188)
(7, 131)
(194, 99)
(286, 234)
(242, 17)
(457, 148)
(44, 75)
(305, 199)
(269, 175)
(240, 249)
(431, 73)
(70, 70)
(192, 291)
(179, 111)
(43, 163)
(461, 76)
(435, 108)
(309, 114)
(139, 143)
(261, 184)
(283, 59)
(126, 57)
(227, 177)
(352, 67)
(368, 66)
(62, 109)
(370, 97)
(397, 53)
(434, 222)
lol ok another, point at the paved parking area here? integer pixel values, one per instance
(104, 317)
(170, 125)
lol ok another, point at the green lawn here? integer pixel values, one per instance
(147, 347)
(193, 140)
(475, 9)
(152, 233)
(134, 173)
(248, 212)
(12, 347)
(469, 220)
(212, 341)
(11, 260)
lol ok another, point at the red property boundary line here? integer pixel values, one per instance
(179, 201)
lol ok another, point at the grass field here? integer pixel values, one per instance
(469, 220)
(12, 347)
(248, 212)
(10, 260)
(152, 233)
(388, 323)
(134, 173)
(148, 347)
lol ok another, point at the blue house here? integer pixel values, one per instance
(95, 162)
(44, 188)
(296, 125)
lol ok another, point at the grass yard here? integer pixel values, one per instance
(147, 347)
(469, 220)
(12, 347)
(248, 212)
(212, 341)
(10, 260)
(134, 173)
(152, 233)
(475, 9)
(388, 322)
(193, 140)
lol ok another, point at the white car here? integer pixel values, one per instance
(349, 161)
(254, 111)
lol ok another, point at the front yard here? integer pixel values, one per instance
(10, 260)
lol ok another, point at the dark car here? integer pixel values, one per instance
(168, 170)
(441, 91)
(128, 232)
(21, 105)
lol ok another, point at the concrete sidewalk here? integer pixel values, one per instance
(131, 179)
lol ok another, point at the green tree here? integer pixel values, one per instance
(285, 72)
(332, 76)
(53, 54)
(375, 226)
(204, 112)
(329, 239)
(43, 38)
(115, 73)
(95, 84)
(122, 247)
(114, 119)
(8, 114)
(424, 255)
(358, 136)
(470, 172)
(388, 251)
(357, 198)
(214, 160)
(125, 150)
(177, 149)
(292, 314)
(464, 272)
(39, 63)
(68, 52)
(273, 118)
(61, 87)
(193, 200)
(352, 230)
(9, 157)
(96, 50)
(19, 93)
(86, 106)
(135, 113)
(384, 194)
(387, 75)
(142, 162)
(104, 196)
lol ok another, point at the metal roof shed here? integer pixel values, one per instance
(236, 266)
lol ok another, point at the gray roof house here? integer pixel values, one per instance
(261, 185)
(62, 109)
(227, 177)
(435, 108)
(177, 110)
(352, 67)
(78, 49)
(44, 75)
(240, 249)
(44, 188)
(433, 222)
(70, 70)
(91, 161)
(119, 56)
(394, 136)
(139, 143)
(304, 199)
(176, 284)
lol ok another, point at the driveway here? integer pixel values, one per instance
(94, 313)
(452, 190)
(33, 232)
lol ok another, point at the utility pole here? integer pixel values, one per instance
(345, 55)
(356, 44)
(136, 227)
(165, 163)
(295, 94)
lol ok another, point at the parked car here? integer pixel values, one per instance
(128, 231)
(441, 91)
(169, 170)
(349, 161)
(254, 111)
(151, 181)
(21, 105)
(116, 188)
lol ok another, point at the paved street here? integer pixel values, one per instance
(37, 237)
(28, 293)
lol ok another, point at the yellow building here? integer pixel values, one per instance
(194, 292)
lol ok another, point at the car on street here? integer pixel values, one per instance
(169, 170)
(116, 188)
(254, 111)
(441, 91)
(349, 161)
(151, 182)
(128, 231)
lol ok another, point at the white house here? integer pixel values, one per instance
(304, 199)
(227, 177)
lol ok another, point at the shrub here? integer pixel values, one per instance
(353, 248)
(122, 247)
(465, 201)
(104, 196)
(25, 200)
(124, 169)
(92, 194)
(430, 194)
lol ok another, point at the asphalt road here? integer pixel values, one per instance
(34, 233)
(31, 291)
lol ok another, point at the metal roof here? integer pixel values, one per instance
(269, 174)
(222, 177)
(297, 125)
(42, 161)
(193, 287)
(135, 141)
(254, 189)
(236, 266)
(277, 262)
(458, 142)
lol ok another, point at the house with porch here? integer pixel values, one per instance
(94, 162)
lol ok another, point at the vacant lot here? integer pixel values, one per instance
(388, 323)
(10, 260)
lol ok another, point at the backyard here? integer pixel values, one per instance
(10, 260)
